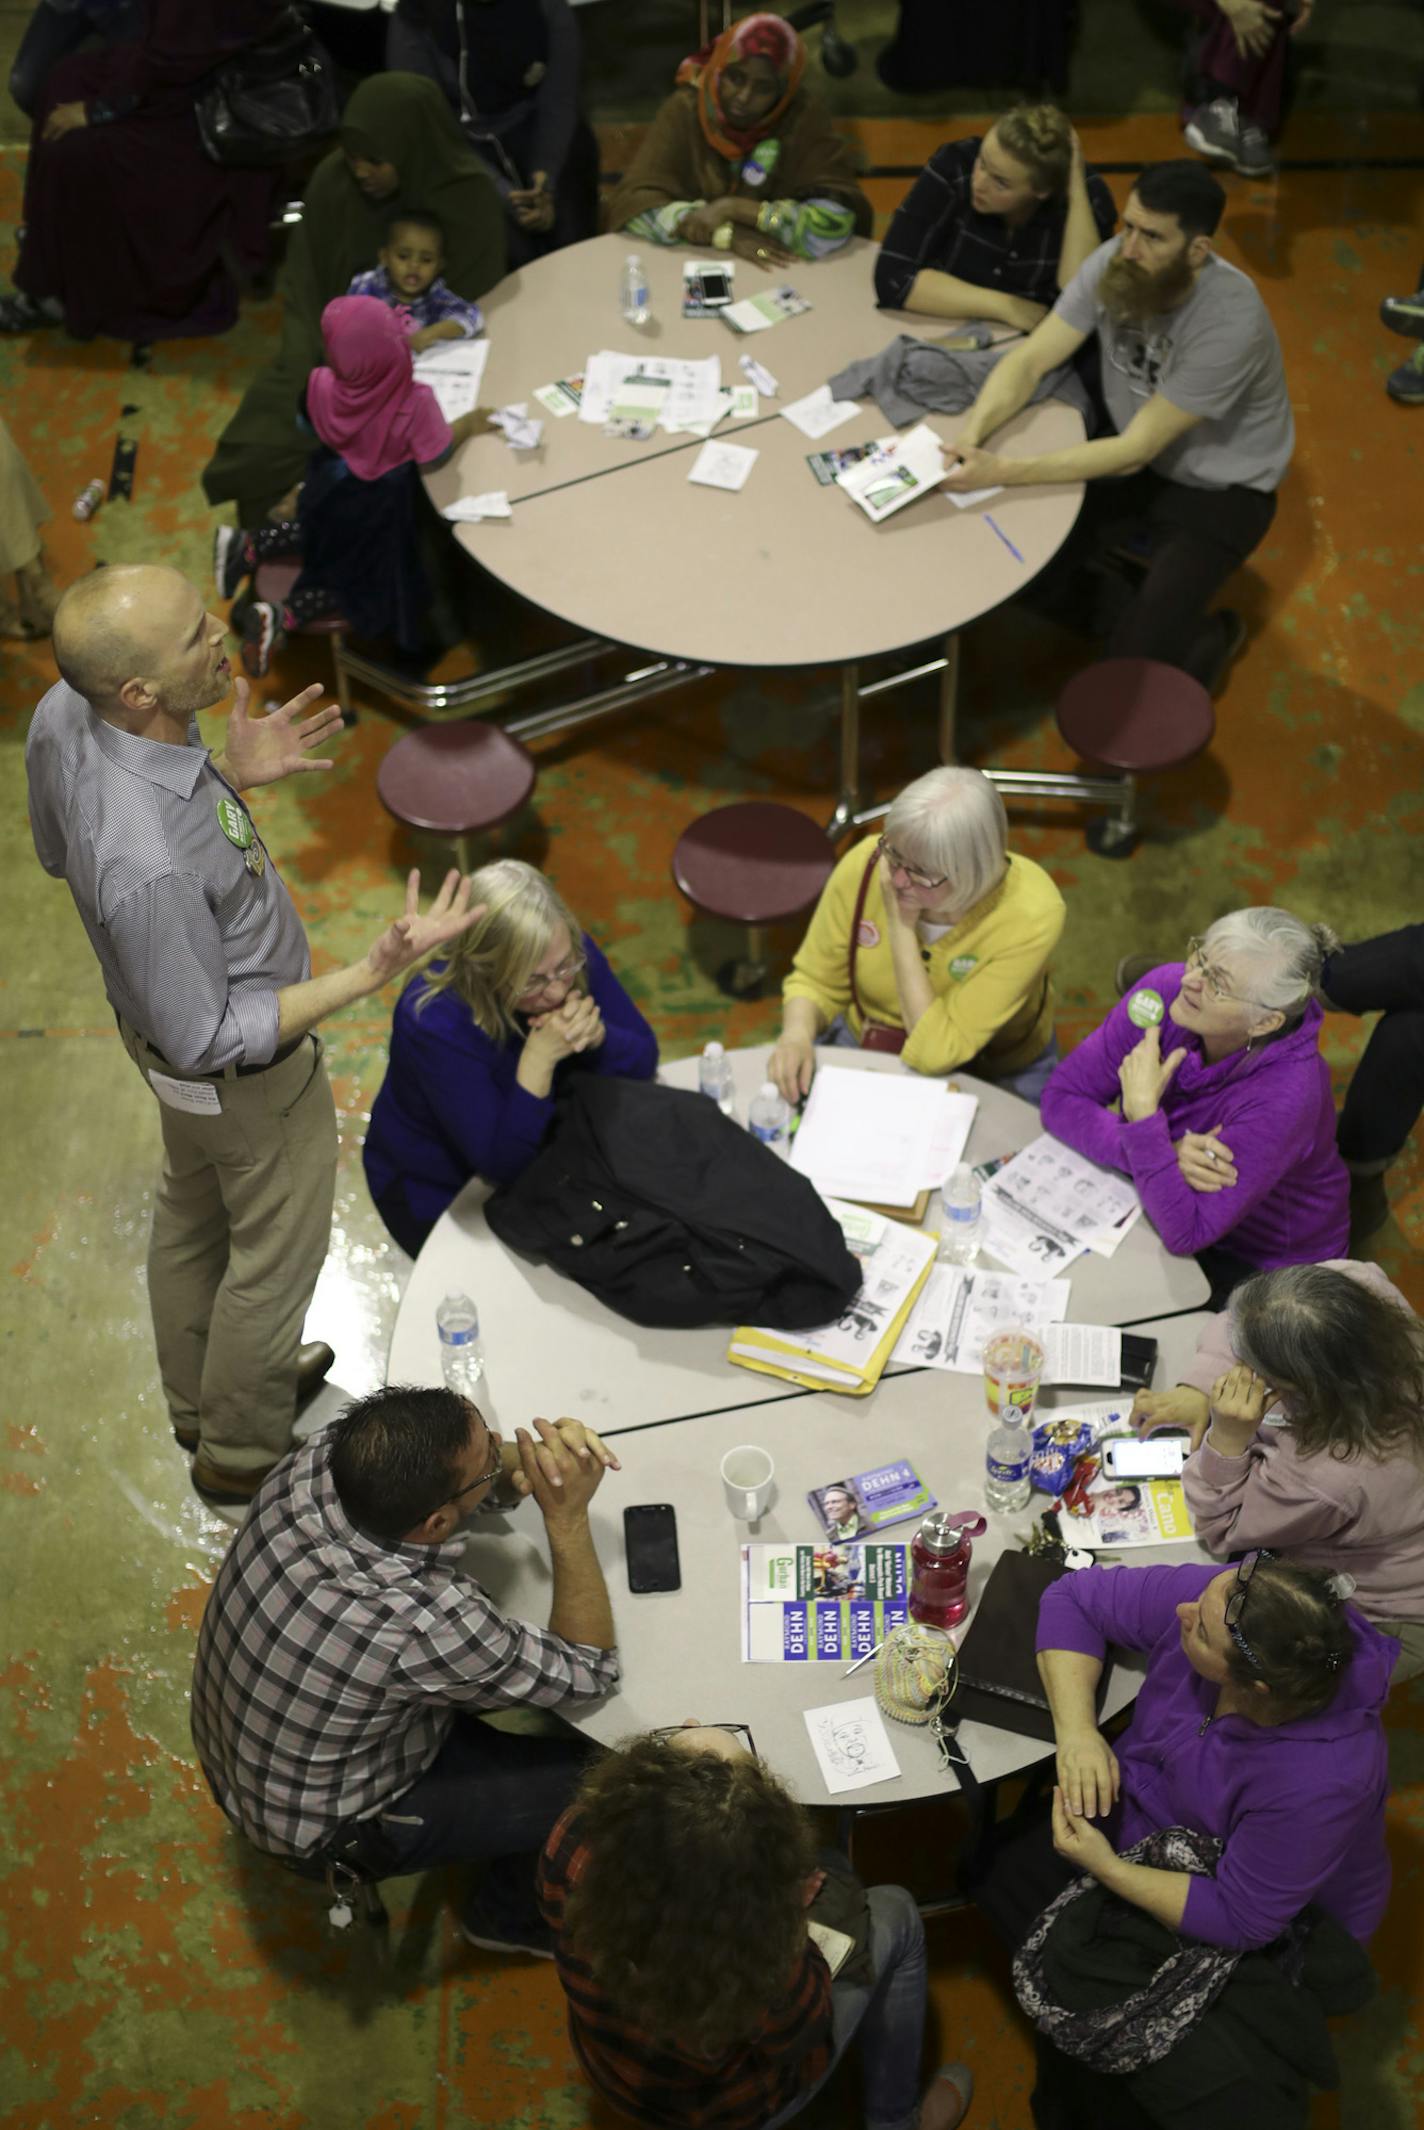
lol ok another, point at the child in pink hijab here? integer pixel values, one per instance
(355, 527)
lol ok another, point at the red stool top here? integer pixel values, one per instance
(273, 581)
(752, 863)
(455, 779)
(1135, 714)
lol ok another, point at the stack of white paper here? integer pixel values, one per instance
(959, 1309)
(868, 1135)
(1049, 1204)
(672, 394)
(951, 1136)
(453, 370)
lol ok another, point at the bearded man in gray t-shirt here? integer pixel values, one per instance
(1195, 388)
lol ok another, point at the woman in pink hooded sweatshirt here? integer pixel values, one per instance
(1305, 1401)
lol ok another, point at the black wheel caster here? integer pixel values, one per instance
(1109, 839)
(742, 979)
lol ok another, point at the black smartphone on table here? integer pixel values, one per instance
(650, 1539)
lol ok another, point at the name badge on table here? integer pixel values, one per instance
(198, 1097)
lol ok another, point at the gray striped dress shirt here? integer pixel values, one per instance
(330, 1667)
(193, 946)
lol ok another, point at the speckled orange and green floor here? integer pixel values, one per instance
(150, 1974)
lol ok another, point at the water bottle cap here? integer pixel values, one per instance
(713, 1050)
(769, 1087)
(941, 1533)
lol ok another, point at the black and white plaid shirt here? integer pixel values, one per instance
(330, 1666)
(938, 226)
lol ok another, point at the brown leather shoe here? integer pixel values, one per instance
(221, 1488)
(186, 1438)
(314, 1364)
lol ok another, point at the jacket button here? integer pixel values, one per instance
(596, 1206)
(618, 1226)
(577, 1241)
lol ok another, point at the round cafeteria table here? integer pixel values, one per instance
(611, 537)
(680, 1650)
(553, 1349)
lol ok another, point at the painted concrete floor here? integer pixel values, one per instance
(151, 1973)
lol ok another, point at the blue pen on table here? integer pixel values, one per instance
(994, 526)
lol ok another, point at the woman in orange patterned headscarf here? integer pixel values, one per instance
(738, 128)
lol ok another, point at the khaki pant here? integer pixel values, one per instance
(1410, 1661)
(241, 1225)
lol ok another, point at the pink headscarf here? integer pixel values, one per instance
(364, 401)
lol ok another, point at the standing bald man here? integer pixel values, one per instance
(206, 967)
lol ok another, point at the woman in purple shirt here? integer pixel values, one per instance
(480, 1044)
(1258, 1723)
(1227, 1127)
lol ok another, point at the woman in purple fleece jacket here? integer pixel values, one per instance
(1227, 1123)
(1258, 1723)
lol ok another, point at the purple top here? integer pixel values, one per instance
(1299, 1806)
(450, 1107)
(433, 308)
(1290, 1202)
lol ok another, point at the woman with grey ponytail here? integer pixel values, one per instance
(1206, 1085)
(1305, 1402)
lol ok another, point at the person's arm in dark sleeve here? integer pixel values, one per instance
(556, 111)
(495, 1125)
(629, 1050)
(927, 204)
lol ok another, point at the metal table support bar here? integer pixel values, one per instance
(1117, 793)
(634, 687)
(847, 812)
(448, 697)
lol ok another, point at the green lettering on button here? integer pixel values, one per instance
(1145, 1009)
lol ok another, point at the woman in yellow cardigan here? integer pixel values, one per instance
(932, 940)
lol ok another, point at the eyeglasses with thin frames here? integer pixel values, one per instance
(492, 1472)
(899, 864)
(1222, 993)
(738, 1731)
(564, 974)
(1236, 1605)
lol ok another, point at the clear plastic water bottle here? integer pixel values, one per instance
(633, 298)
(769, 1117)
(1006, 1466)
(462, 1356)
(714, 1078)
(962, 1225)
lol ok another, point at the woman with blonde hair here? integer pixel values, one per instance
(932, 940)
(481, 1042)
(995, 227)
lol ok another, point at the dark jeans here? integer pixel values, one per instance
(50, 36)
(488, 1797)
(1387, 1092)
(1197, 538)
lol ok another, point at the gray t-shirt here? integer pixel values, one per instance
(1216, 356)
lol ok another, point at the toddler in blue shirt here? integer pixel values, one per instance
(408, 281)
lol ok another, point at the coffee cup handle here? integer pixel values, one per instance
(750, 1507)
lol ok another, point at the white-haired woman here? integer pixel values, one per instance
(932, 940)
(1226, 1123)
(1305, 1401)
(479, 1043)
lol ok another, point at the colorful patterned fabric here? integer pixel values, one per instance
(754, 37)
(433, 308)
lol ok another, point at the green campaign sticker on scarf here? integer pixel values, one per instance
(1144, 1009)
(961, 965)
(234, 823)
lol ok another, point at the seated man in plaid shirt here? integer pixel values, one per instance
(344, 1656)
(714, 1975)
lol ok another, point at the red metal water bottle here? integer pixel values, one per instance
(939, 1567)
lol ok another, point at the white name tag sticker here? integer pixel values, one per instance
(198, 1097)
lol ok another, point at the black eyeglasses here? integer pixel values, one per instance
(492, 1471)
(1236, 1605)
(899, 864)
(738, 1731)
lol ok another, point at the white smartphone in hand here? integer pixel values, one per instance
(1155, 1457)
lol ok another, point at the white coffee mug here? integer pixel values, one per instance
(747, 1475)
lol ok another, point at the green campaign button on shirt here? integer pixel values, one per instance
(234, 823)
(1145, 1009)
(961, 965)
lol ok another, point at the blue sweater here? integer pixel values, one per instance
(450, 1107)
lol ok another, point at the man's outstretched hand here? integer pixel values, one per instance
(263, 750)
(412, 936)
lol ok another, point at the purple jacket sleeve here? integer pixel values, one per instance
(1281, 1850)
(1265, 1132)
(629, 1050)
(1132, 1607)
(495, 1125)
(1077, 1102)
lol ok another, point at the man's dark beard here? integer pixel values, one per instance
(1132, 296)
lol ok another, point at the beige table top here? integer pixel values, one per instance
(611, 537)
(681, 1650)
(554, 1349)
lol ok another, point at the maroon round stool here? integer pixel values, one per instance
(1137, 717)
(456, 780)
(753, 864)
